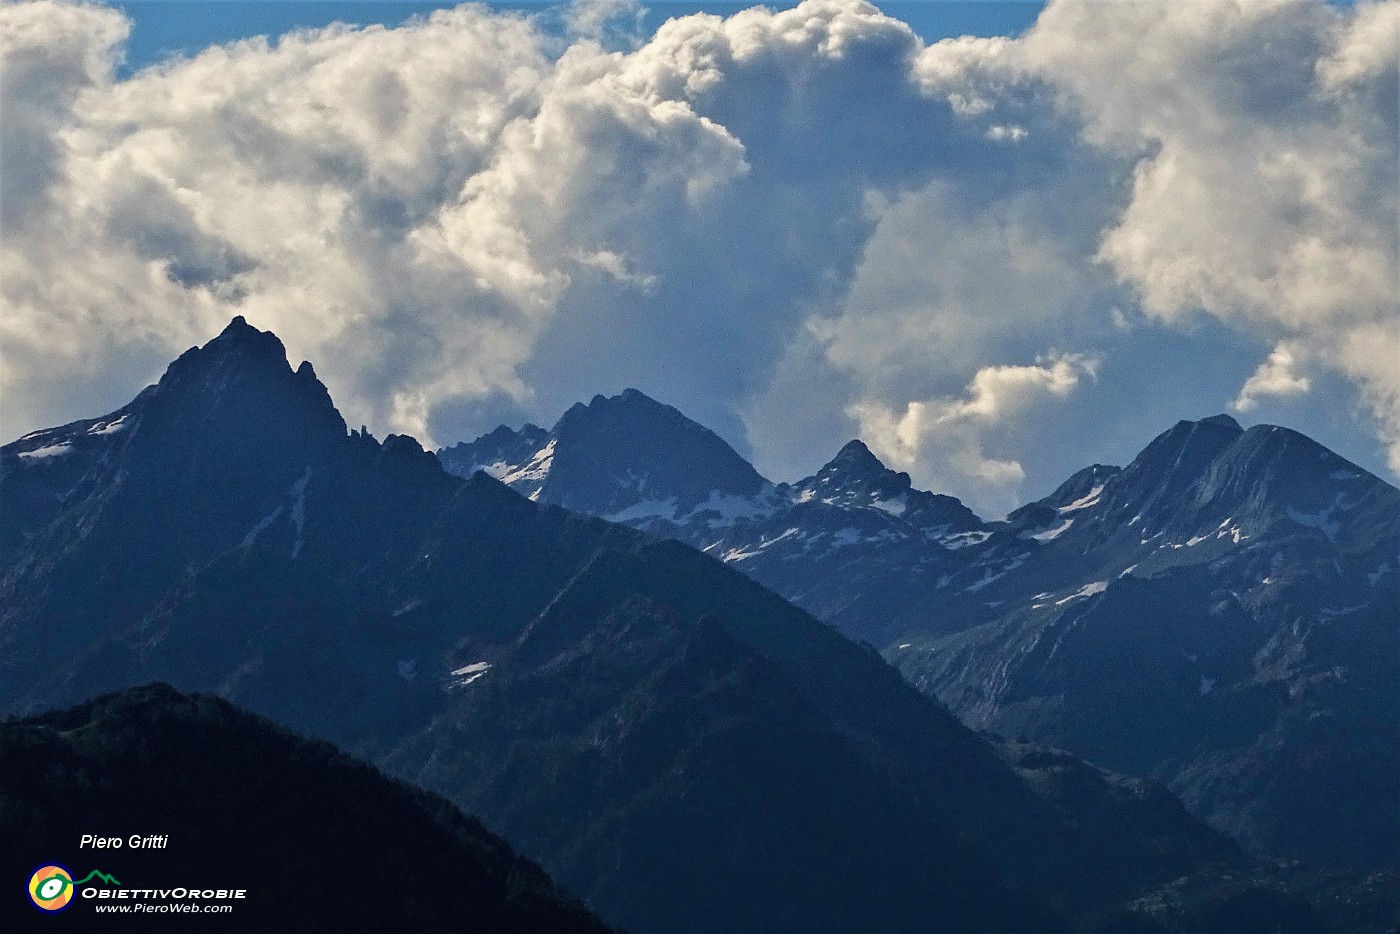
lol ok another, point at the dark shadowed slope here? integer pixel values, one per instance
(684, 749)
(318, 840)
(1220, 614)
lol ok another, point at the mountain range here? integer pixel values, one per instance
(1222, 614)
(677, 744)
(354, 849)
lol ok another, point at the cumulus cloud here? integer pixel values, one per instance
(284, 182)
(795, 225)
(1261, 141)
(1369, 353)
(600, 20)
(52, 52)
(946, 436)
(466, 207)
(1276, 376)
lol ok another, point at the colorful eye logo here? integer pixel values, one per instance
(51, 888)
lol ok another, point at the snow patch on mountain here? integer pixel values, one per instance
(1321, 520)
(47, 451)
(894, 507)
(1088, 590)
(726, 508)
(1084, 502)
(109, 428)
(989, 576)
(536, 469)
(1049, 535)
(645, 509)
(498, 469)
(740, 553)
(467, 674)
(963, 539)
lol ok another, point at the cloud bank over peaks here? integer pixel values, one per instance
(1262, 140)
(946, 436)
(794, 225)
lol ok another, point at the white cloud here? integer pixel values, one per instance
(1276, 376)
(1365, 50)
(1010, 133)
(944, 438)
(283, 183)
(1271, 200)
(1370, 354)
(431, 210)
(52, 53)
(1262, 142)
(766, 219)
(598, 19)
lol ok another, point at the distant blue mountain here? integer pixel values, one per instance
(678, 745)
(1223, 614)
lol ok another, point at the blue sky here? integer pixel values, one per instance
(995, 259)
(160, 27)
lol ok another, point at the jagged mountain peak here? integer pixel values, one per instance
(1192, 445)
(614, 454)
(499, 453)
(629, 408)
(1268, 466)
(241, 381)
(1265, 442)
(353, 585)
(1188, 440)
(237, 384)
(1275, 474)
(855, 477)
(629, 398)
(503, 434)
(855, 457)
(1161, 476)
(855, 463)
(239, 340)
(238, 329)
(632, 396)
(1212, 483)
(1221, 420)
(1217, 430)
